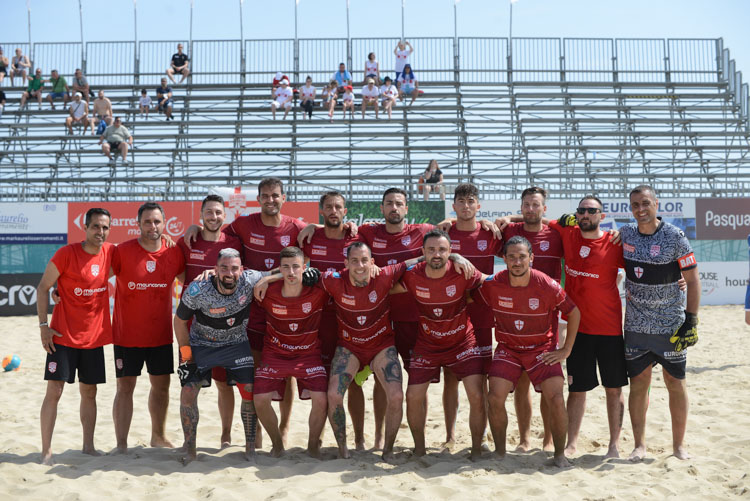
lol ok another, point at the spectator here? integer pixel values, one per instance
(60, 89)
(34, 89)
(20, 66)
(347, 101)
(408, 85)
(283, 99)
(4, 64)
(2, 103)
(343, 78)
(79, 114)
(117, 138)
(432, 180)
(102, 113)
(372, 68)
(388, 95)
(402, 56)
(277, 82)
(80, 84)
(179, 64)
(330, 95)
(164, 99)
(308, 97)
(144, 103)
(370, 95)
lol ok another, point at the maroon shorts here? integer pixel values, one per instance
(484, 343)
(365, 353)
(329, 337)
(308, 370)
(406, 338)
(508, 364)
(425, 365)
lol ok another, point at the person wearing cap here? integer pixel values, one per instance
(388, 96)
(370, 95)
(79, 114)
(283, 98)
(347, 101)
(408, 85)
(342, 77)
(278, 77)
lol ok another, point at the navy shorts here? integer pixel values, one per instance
(644, 350)
(236, 359)
(65, 361)
(129, 361)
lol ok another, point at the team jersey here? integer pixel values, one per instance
(292, 322)
(443, 320)
(204, 254)
(283, 95)
(391, 248)
(546, 245)
(362, 312)
(262, 245)
(82, 315)
(143, 297)
(525, 317)
(328, 254)
(366, 92)
(591, 279)
(653, 265)
(220, 320)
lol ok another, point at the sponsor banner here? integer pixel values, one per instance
(431, 212)
(124, 225)
(722, 283)
(493, 209)
(18, 294)
(242, 200)
(33, 223)
(722, 218)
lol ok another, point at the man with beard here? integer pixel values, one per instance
(142, 332)
(203, 256)
(216, 338)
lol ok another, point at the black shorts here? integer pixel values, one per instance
(588, 351)
(644, 350)
(129, 361)
(236, 359)
(63, 363)
(114, 145)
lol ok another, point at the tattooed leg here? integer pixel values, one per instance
(189, 418)
(250, 422)
(388, 371)
(343, 368)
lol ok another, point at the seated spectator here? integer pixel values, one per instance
(164, 100)
(330, 96)
(34, 89)
(102, 113)
(20, 66)
(144, 103)
(372, 68)
(388, 96)
(80, 84)
(79, 114)
(179, 64)
(277, 82)
(408, 85)
(402, 56)
(2, 103)
(117, 138)
(4, 66)
(343, 78)
(307, 92)
(370, 95)
(432, 180)
(347, 101)
(283, 99)
(59, 90)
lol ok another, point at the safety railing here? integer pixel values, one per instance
(640, 60)
(265, 57)
(216, 61)
(154, 58)
(65, 57)
(483, 59)
(110, 63)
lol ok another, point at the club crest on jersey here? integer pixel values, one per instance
(533, 303)
(519, 324)
(437, 311)
(242, 299)
(52, 367)
(293, 327)
(306, 307)
(450, 290)
(95, 270)
(230, 321)
(362, 319)
(638, 271)
(194, 289)
(373, 296)
(584, 251)
(269, 263)
(544, 245)
(655, 250)
(392, 261)
(150, 266)
(482, 245)
(405, 241)
(285, 239)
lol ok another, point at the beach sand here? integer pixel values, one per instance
(718, 438)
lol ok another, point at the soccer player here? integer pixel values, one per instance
(660, 320)
(80, 326)
(592, 262)
(217, 337)
(210, 240)
(525, 303)
(142, 323)
(292, 349)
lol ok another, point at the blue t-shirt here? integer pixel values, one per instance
(163, 91)
(342, 78)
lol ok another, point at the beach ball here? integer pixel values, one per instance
(11, 363)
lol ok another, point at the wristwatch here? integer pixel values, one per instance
(43, 324)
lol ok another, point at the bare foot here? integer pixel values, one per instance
(638, 454)
(188, 458)
(388, 456)
(570, 449)
(499, 454)
(447, 446)
(359, 445)
(47, 459)
(225, 444)
(548, 446)
(314, 452)
(612, 452)
(344, 452)
(226, 439)
(161, 442)
(121, 449)
(561, 461)
(419, 452)
(249, 453)
(476, 454)
(91, 451)
(681, 453)
(379, 442)
(523, 446)
(277, 451)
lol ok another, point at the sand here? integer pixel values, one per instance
(718, 438)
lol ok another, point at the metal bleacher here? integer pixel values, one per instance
(574, 115)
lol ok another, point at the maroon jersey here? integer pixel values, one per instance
(262, 245)
(204, 254)
(480, 247)
(391, 248)
(546, 245)
(525, 317)
(328, 254)
(443, 320)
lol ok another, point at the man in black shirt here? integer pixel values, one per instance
(179, 64)
(164, 99)
(2, 102)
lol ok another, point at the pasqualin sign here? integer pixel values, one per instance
(18, 294)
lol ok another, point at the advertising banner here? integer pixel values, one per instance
(722, 218)
(18, 294)
(723, 282)
(33, 223)
(242, 200)
(419, 212)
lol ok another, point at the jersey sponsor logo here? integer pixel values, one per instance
(269, 263)
(257, 241)
(77, 291)
(392, 261)
(451, 332)
(437, 311)
(119, 364)
(424, 294)
(379, 244)
(505, 302)
(88, 292)
(518, 324)
(316, 370)
(533, 303)
(544, 245)
(655, 250)
(230, 321)
(193, 290)
(318, 251)
(482, 245)
(688, 260)
(285, 239)
(628, 247)
(362, 319)
(455, 245)
(638, 271)
(306, 307)
(293, 327)
(131, 285)
(575, 273)
(52, 367)
(345, 335)
(150, 266)
(143, 287)
(216, 311)
(405, 241)
(95, 270)
(348, 300)
(278, 309)
(197, 256)
(450, 290)
(584, 251)
(373, 296)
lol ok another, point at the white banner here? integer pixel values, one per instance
(723, 282)
(33, 223)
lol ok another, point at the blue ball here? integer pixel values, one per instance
(11, 363)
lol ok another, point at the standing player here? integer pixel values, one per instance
(142, 324)
(591, 265)
(660, 321)
(526, 303)
(292, 349)
(80, 326)
(210, 240)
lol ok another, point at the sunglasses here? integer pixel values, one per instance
(590, 210)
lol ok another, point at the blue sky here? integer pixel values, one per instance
(57, 20)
